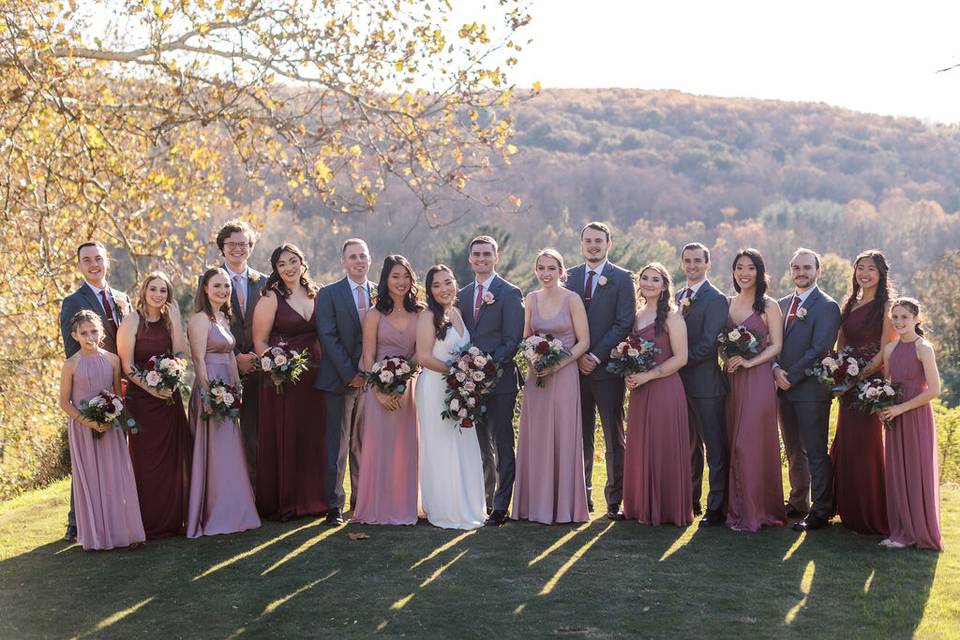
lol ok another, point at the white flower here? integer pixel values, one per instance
(152, 378)
(469, 386)
(117, 405)
(471, 402)
(217, 392)
(386, 376)
(473, 351)
(454, 405)
(477, 376)
(529, 353)
(98, 402)
(480, 361)
(404, 368)
(801, 313)
(853, 369)
(487, 298)
(829, 363)
(266, 363)
(734, 335)
(462, 413)
(872, 392)
(460, 376)
(280, 360)
(376, 367)
(633, 353)
(227, 399)
(602, 282)
(887, 389)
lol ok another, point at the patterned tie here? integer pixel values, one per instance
(478, 303)
(241, 298)
(109, 310)
(588, 290)
(792, 314)
(687, 295)
(361, 303)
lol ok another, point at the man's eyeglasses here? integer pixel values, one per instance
(236, 245)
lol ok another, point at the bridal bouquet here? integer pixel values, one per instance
(633, 355)
(473, 374)
(107, 408)
(163, 372)
(838, 370)
(390, 375)
(875, 395)
(222, 399)
(739, 341)
(283, 365)
(543, 351)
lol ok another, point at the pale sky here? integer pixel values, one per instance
(877, 57)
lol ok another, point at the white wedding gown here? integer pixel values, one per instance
(451, 471)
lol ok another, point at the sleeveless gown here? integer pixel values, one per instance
(912, 471)
(104, 489)
(755, 486)
(451, 476)
(290, 452)
(857, 450)
(389, 458)
(161, 451)
(221, 500)
(656, 469)
(550, 486)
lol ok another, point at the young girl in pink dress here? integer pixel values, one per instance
(104, 489)
(911, 470)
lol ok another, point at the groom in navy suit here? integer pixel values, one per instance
(610, 299)
(341, 307)
(811, 323)
(492, 310)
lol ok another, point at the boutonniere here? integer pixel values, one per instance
(373, 294)
(487, 298)
(686, 302)
(253, 276)
(123, 303)
(602, 282)
(801, 314)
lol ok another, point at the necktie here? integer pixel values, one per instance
(792, 314)
(688, 293)
(361, 302)
(241, 298)
(588, 290)
(108, 309)
(478, 302)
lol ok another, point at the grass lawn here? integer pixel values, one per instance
(600, 579)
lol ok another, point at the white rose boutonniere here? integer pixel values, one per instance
(487, 298)
(602, 282)
(801, 314)
(253, 276)
(373, 295)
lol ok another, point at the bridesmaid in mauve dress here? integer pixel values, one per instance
(104, 489)
(755, 487)
(389, 472)
(550, 485)
(161, 451)
(912, 472)
(221, 500)
(656, 471)
(290, 452)
(857, 450)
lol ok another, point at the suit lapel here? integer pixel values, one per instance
(347, 292)
(597, 287)
(811, 301)
(95, 304)
(253, 291)
(468, 306)
(575, 279)
(494, 291)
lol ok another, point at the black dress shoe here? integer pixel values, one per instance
(71, 533)
(497, 518)
(614, 512)
(811, 523)
(792, 511)
(334, 518)
(697, 509)
(711, 518)
(589, 505)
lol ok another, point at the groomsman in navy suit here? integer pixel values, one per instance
(341, 308)
(97, 296)
(236, 240)
(705, 310)
(811, 323)
(492, 310)
(610, 299)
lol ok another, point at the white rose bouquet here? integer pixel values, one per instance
(473, 375)
(222, 399)
(875, 395)
(391, 375)
(839, 370)
(543, 351)
(283, 365)
(107, 408)
(739, 341)
(162, 372)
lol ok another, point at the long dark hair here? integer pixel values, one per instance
(759, 295)
(664, 300)
(384, 301)
(440, 321)
(276, 284)
(913, 305)
(884, 289)
(201, 303)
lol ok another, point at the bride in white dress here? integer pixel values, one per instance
(451, 471)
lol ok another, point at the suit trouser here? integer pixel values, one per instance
(343, 438)
(603, 396)
(707, 429)
(496, 437)
(249, 415)
(804, 427)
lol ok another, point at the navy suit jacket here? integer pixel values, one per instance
(85, 298)
(706, 317)
(805, 341)
(499, 327)
(611, 314)
(341, 335)
(241, 325)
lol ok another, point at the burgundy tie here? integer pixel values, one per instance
(792, 314)
(478, 303)
(588, 290)
(108, 309)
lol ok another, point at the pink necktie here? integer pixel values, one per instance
(361, 303)
(241, 298)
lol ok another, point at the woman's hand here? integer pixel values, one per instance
(548, 371)
(163, 394)
(388, 401)
(635, 380)
(735, 363)
(888, 414)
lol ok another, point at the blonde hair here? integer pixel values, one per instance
(86, 316)
(552, 253)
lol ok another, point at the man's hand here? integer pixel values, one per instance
(356, 383)
(586, 364)
(780, 378)
(246, 362)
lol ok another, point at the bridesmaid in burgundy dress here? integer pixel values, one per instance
(550, 486)
(912, 472)
(755, 487)
(161, 451)
(290, 452)
(857, 451)
(656, 472)
(389, 471)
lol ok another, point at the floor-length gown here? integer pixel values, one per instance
(656, 468)
(550, 486)
(290, 453)
(161, 451)
(389, 459)
(857, 450)
(912, 471)
(221, 499)
(451, 469)
(755, 485)
(104, 489)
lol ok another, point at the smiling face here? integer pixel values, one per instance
(236, 250)
(548, 271)
(867, 273)
(745, 273)
(594, 246)
(651, 284)
(94, 264)
(903, 319)
(290, 268)
(88, 335)
(443, 288)
(804, 271)
(218, 290)
(156, 294)
(399, 281)
(483, 260)
(695, 265)
(356, 261)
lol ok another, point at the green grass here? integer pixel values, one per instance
(601, 579)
